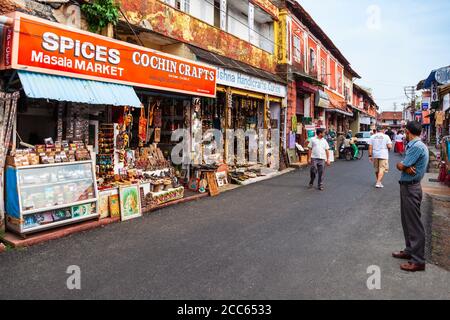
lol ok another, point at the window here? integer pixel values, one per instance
(323, 68)
(312, 60)
(339, 82)
(217, 13)
(297, 49)
(347, 94)
(183, 5)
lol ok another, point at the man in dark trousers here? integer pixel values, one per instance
(413, 169)
(318, 156)
(390, 134)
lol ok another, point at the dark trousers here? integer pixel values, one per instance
(413, 229)
(317, 167)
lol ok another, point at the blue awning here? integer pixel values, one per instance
(44, 86)
(428, 81)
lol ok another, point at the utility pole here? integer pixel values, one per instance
(410, 93)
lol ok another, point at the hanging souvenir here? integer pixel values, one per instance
(157, 135)
(151, 113)
(158, 118)
(142, 127)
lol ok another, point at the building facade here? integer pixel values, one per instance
(319, 78)
(391, 119)
(364, 108)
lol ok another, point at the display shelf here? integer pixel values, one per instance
(55, 164)
(32, 199)
(42, 185)
(61, 206)
(54, 224)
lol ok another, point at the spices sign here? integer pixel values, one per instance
(52, 48)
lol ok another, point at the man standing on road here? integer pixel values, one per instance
(390, 133)
(318, 155)
(413, 169)
(379, 146)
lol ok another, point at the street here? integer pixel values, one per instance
(271, 240)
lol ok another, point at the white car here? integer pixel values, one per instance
(363, 139)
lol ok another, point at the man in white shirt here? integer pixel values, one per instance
(379, 146)
(318, 155)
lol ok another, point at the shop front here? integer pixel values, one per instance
(91, 129)
(309, 102)
(248, 111)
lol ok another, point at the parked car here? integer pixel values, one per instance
(363, 139)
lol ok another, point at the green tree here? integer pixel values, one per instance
(100, 13)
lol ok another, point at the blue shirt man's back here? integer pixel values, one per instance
(417, 155)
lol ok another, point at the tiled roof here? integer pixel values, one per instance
(391, 115)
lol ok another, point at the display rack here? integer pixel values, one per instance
(46, 196)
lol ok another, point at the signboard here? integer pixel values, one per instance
(365, 120)
(239, 80)
(47, 47)
(6, 34)
(425, 103)
(434, 92)
(418, 116)
(443, 75)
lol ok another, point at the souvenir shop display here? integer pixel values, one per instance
(48, 195)
(105, 156)
(50, 153)
(155, 199)
(239, 174)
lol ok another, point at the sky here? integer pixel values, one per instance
(389, 43)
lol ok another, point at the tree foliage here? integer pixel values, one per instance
(100, 13)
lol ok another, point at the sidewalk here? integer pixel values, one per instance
(432, 187)
(437, 220)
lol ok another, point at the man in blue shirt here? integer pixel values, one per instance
(413, 169)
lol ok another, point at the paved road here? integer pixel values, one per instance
(271, 240)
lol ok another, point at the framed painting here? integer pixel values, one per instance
(114, 208)
(103, 204)
(130, 202)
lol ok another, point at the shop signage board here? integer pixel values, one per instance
(418, 116)
(6, 34)
(434, 92)
(239, 80)
(365, 120)
(51, 48)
